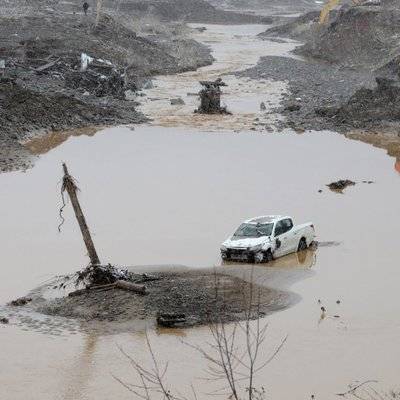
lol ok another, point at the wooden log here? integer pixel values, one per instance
(132, 287)
(46, 66)
(70, 187)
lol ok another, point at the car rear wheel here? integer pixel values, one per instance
(302, 245)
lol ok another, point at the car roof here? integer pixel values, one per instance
(265, 219)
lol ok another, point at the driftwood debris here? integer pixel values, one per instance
(210, 98)
(71, 188)
(22, 301)
(123, 285)
(47, 66)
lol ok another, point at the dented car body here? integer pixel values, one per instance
(264, 238)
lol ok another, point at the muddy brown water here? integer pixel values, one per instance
(167, 196)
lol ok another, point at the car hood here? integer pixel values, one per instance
(245, 242)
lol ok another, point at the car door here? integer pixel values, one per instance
(282, 238)
(291, 234)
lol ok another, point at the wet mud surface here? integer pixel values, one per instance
(178, 194)
(202, 297)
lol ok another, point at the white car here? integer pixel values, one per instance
(262, 239)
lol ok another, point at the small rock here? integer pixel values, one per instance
(262, 106)
(177, 102)
(4, 320)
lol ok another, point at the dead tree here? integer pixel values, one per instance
(71, 188)
(210, 97)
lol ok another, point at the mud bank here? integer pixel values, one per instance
(45, 89)
(353, 62)
(200, 296)
(302, 106)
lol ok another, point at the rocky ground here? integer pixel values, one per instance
(44, 87)
(201, 296)
(348, 76)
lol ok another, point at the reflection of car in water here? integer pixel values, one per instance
(263, 239)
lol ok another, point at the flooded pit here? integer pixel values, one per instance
(170, 196)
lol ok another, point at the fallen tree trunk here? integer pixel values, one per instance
(132, 287)
(123, 285)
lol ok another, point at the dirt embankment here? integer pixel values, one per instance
(200, 297)
(44, 88)
(301, 28)
(200, 11)
(316, 91)
(360, 37)
(270, 7)
(339, 84)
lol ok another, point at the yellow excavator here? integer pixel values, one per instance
(329, 6)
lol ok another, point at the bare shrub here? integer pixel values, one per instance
(366, 391)
(233, 355)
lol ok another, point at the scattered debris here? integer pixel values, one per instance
(340, 185)
(97, 77)
(22, 301)
(120, 284)
(210, 97)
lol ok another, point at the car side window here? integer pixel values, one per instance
(279, 228)
(288, 224)
(283, 226)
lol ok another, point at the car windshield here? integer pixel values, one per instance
(253, 230)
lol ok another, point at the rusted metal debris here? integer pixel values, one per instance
(210, 98)
(170, 320)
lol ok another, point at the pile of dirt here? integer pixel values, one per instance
(302, 28)
(199, 296)
(344, 57)
(359, 37)
(270, 7)
(200, 11)
(44, 87)
(24, 111)
(371, 108)
(310, 104)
